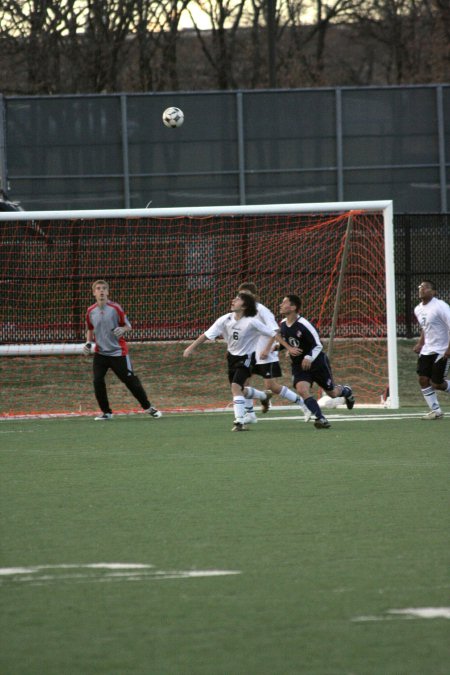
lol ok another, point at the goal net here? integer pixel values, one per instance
(175, 271)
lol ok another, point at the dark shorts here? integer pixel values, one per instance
(239, 368)
(320, 373)
(433, 366)
(120, 365)
(267, 370)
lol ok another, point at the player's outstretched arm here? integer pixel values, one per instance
(200, 340)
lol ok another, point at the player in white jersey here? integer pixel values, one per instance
(241, 329)
(433, 347)
(267, 362)
(106, 326)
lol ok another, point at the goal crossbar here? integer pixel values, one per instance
(200, 211)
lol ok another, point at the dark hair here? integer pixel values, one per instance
(294, 300)
(249, 303)
(431, 284)
(248, 286)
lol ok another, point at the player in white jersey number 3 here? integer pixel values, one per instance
(433, 347)
(241, 329)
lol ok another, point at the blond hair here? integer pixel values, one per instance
(100, 281)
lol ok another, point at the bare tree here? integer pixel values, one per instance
(442, 41)
(61, 46)
(403, 31)
(310, 23)
(225, 19)
(67, 44)
(30, 35)
(105, 41)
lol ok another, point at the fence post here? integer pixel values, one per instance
(441, 145)
(408, 272)
(241, 147)
(125, 161)
(3, 166)
(339, 147)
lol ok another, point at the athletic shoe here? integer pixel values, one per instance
(322, 423)
(265, 405)
(250, 418)
(103, 418)
(153, 412)
(433, 415)
(238, 426)
(307, 413)
(350, 400)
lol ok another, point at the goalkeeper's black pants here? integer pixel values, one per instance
(121, 366)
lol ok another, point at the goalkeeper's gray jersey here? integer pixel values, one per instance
(103, 321)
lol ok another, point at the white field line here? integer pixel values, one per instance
(407, 613)
(16, 431)
(347, 418)
(101, 573)
(385, 415)
(5, 571)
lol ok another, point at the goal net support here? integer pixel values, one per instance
(175, 271)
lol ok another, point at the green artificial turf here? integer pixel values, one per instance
(329, 530)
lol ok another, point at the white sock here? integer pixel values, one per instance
(249, 406)
(288, 394)
(255, 393)
(292, 396)
(431, 399)
(447, 389)
(239, 407)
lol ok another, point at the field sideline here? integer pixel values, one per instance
(175, 547)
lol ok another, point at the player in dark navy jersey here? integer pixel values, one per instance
(309, 362)
(106, 325)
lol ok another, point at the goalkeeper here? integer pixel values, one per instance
(106, 325)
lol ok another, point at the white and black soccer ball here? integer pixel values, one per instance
(173, 117)
(327, 402)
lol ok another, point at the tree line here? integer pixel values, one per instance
(90, 46)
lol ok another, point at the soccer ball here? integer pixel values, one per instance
(173, 117)
(328, 402)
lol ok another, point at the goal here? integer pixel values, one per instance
(175, 271)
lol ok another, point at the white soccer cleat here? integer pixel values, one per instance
(153, 412)
(433, 415)
(104, 417)
(250, 418)
(307, 413)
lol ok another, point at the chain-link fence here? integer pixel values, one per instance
(235, 147)
(422, 251)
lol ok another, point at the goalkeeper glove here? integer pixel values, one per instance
(119, 331)
(87, 349)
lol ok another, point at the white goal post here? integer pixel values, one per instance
(36, 221)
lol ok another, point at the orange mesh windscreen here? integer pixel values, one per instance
(174, 277)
